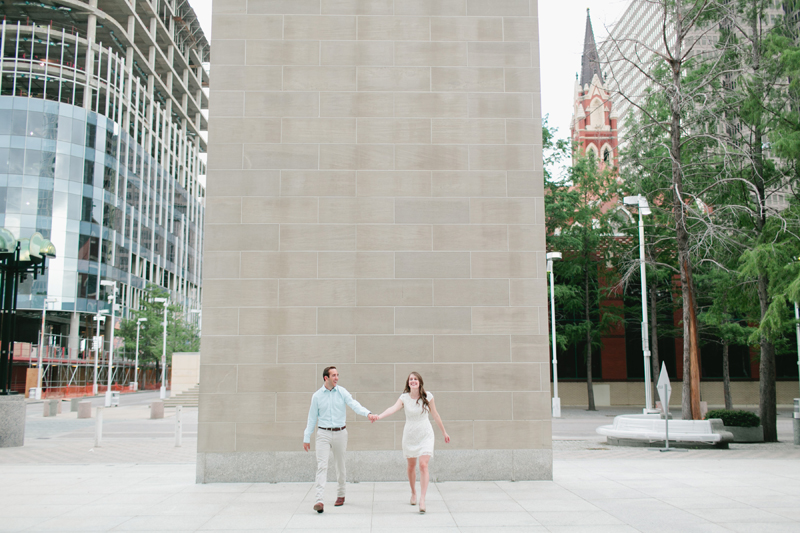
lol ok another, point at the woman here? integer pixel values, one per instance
(418, 432)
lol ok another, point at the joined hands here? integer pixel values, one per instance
(373, 418)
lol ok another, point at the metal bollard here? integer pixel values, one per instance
(178, 427)
(98, 428)
(796, 421)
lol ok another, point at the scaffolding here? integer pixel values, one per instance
(70, 371)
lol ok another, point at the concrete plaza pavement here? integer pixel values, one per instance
(137, 480)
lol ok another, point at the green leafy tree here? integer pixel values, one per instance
(182, 336)
(755, 105)
(717, 135)
(579, 226)
(676, 117)
(727, 302)
(647, 172)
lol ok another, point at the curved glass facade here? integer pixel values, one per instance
(63, 170)
(99, 148)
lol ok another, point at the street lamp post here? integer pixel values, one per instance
(797, 317)
(113, 298)
(554, 256)
(40, 371)
(199, 313)
(136, 364)
(98, 318)
(163, 395)
(644, 209)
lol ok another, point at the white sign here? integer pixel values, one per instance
(664, 388)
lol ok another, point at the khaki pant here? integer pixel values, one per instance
(328, 441)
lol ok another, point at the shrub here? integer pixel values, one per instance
(744, 419)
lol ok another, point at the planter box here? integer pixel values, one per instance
(741, 434)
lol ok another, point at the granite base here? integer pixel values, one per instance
(12, 420)
(368, 466)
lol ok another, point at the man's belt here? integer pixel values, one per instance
(334, 429)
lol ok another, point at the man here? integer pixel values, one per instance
(328, 413)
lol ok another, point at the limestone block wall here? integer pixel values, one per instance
(185, 372)
(375, 202)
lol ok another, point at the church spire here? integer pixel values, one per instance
(590, 62)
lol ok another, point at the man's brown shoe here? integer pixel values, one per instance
(339, 501)
(318, 507)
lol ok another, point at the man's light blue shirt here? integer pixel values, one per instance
(328, 409)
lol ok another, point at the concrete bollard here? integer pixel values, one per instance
(178, 427)
(73, 405)
(51, 407)
(85, 409)
(157, 409)
(98, 428)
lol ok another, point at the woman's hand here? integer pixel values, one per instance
(446, 438)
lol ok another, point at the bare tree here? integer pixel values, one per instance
(664, 71)
(721, 97)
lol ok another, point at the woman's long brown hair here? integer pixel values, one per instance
(422, 394)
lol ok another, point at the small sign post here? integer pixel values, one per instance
(664, 390)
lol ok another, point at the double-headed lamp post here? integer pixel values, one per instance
(797, 328)
(199, 313)
(113, 299)
(136, 364)
(40, 371)
(163, 395)
(554, 256)
(99, 318)
(644, 209)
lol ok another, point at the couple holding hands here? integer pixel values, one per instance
(327, 412)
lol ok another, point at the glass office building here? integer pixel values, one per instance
(100, 122)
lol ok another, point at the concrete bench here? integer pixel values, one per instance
(652, 429)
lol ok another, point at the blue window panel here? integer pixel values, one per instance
(13, 199)
(30, 200)
(64, 129)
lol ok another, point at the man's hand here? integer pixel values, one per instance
(372, 418)
(306, 446)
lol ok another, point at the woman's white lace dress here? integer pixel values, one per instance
(418, 432)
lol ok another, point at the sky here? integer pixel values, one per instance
(562, 25)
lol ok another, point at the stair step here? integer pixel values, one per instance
(187, 398)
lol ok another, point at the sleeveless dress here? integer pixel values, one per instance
(418, 432)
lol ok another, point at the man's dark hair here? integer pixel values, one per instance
(327, 372)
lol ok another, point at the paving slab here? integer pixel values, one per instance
(137, 480)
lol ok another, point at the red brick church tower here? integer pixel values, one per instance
(594, 122)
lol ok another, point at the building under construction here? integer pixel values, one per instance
(100, 140)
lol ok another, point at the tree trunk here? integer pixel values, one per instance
(726, 376)
(767, 397)
(767, 393)
(656, 364)
(694, 350)
(678, 212)
(589, 387)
